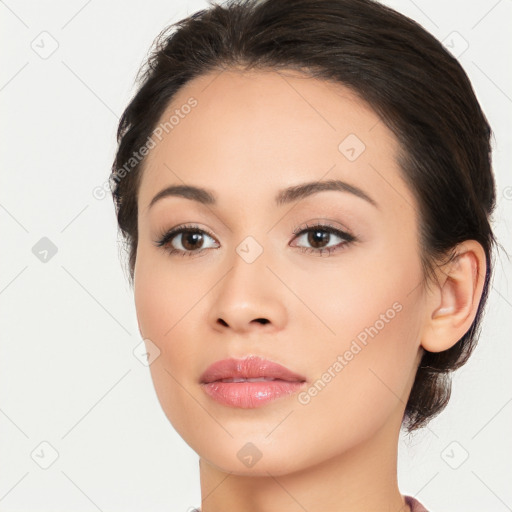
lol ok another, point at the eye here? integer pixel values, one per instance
(185, 240)
(320, 235)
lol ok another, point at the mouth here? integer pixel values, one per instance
(253, 379)
(249, 383)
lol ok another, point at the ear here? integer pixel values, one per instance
(452, 303)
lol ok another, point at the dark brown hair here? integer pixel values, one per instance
(420, 91)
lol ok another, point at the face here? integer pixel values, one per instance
(325, 282)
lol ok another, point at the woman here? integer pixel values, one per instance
(305, 191)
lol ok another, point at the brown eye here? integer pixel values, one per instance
(320, 236)
(191, 240)
(185, 240)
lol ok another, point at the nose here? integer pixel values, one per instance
(248, 298)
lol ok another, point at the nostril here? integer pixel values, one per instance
(259, 320)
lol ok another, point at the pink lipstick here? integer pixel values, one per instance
(249, 383)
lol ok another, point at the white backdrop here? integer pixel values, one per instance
(80, 425)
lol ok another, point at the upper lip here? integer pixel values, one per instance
(248, 368)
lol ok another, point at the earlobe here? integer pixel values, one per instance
(452, 303)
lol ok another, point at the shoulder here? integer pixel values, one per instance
(415, 505)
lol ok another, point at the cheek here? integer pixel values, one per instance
(167, 304)
(159, 313)
(163, 297)
(365, 294)
(367, 340)
(362, 378)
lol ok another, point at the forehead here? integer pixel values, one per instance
(251, 131)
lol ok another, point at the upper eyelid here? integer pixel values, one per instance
(172, 233)
(327, 225)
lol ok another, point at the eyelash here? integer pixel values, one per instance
(166, 237)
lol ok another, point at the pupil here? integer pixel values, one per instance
(317, 236)
(191, 237)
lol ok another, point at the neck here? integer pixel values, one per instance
(363, 479)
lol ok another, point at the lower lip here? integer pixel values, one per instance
(249, 395)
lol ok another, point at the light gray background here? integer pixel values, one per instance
(68, 376)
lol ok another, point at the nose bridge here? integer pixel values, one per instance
(248, 277)
(248, 291)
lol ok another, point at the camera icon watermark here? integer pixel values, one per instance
(455, 455)
(44, 455)
(44, 250)
(455, 44)
(351, 147)
(146, 352)
(249, 249)
(45, 45)
(249, 454)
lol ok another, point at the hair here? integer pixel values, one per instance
(418, 89)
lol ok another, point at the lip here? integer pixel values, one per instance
(251, 367)
(281, 381)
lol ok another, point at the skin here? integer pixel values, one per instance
(251, 135)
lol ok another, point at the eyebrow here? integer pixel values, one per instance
(285, 196)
